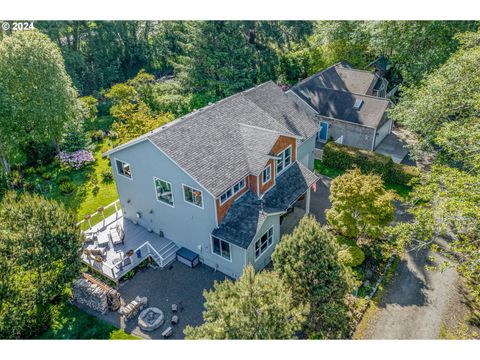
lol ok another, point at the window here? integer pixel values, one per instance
(266, 174)
(232, 191)
(164, 191)
(262, 244)
(123, 168)
(221, 248)
(192, 196)
(285, 159)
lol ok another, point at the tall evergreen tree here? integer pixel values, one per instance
(39, 256)
(256, 306)
(307, 260)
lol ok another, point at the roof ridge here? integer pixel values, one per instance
(356, 94)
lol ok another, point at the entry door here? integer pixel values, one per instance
(323, 133)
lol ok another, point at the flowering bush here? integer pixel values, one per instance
(75, 160)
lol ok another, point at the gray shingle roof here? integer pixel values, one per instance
(333, 91)
(342, 77)
(213, 145)
(246, 216)
(339, 105)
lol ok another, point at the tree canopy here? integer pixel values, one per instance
(39, 256)
(444, 109)
(256, 306)
(307, 260)
(36, 94)
(360, 204)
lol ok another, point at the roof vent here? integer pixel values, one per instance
(358, 104)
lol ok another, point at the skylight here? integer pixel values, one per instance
(358, 103)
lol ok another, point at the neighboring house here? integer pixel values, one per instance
(220, 180)
(350, 105)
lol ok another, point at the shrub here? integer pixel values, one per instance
(16, 179)
(98, 135)
(47, 175)
(29, 186)
(107, 176)
(404, 174)
(29, 171)
(75, 160)
(4, 183)
(63, 179)
(346, 157)
(67, 188)
(350, 253)
(40, 169)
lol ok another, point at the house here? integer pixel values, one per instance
(221, 180)
(349, 104)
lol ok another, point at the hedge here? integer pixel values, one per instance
(346, 157)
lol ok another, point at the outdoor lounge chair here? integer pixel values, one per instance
(117, 234)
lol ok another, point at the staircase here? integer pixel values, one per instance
(163, 254)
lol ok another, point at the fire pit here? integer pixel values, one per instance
(150, 319)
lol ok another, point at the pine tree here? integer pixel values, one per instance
(307, 260)
(256, 306)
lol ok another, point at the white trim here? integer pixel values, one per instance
(118, 173)
(283, 160)
(233, 190)
(188, 202)
(156, 194)
(269, 166)
(344, 121)
(229, 248)
(268, 246)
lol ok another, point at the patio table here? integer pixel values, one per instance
(103, 241)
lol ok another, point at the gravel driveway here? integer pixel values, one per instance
(416, 300)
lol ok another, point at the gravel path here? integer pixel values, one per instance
(415, 302)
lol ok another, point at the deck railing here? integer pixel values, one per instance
(104, 211)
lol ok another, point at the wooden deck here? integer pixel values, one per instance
(143, 243)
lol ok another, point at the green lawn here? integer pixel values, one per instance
(86, 199)
(401, 190)
(71, 323)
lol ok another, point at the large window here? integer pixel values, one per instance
(285, 159)
(232, 191)
(266, 174)
(163, 190)
(262, 244)
(193, 196)
(123, 168)
(221, 248)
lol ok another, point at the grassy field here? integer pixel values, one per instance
(71, 323)
(401, 190)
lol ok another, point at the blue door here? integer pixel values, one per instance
(323, 133)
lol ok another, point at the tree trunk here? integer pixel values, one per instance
(5, 164)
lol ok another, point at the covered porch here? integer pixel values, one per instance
(114, 259)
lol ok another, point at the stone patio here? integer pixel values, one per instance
(175, 284)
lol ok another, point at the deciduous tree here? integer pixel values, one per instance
(360, 205)
(36, 94)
